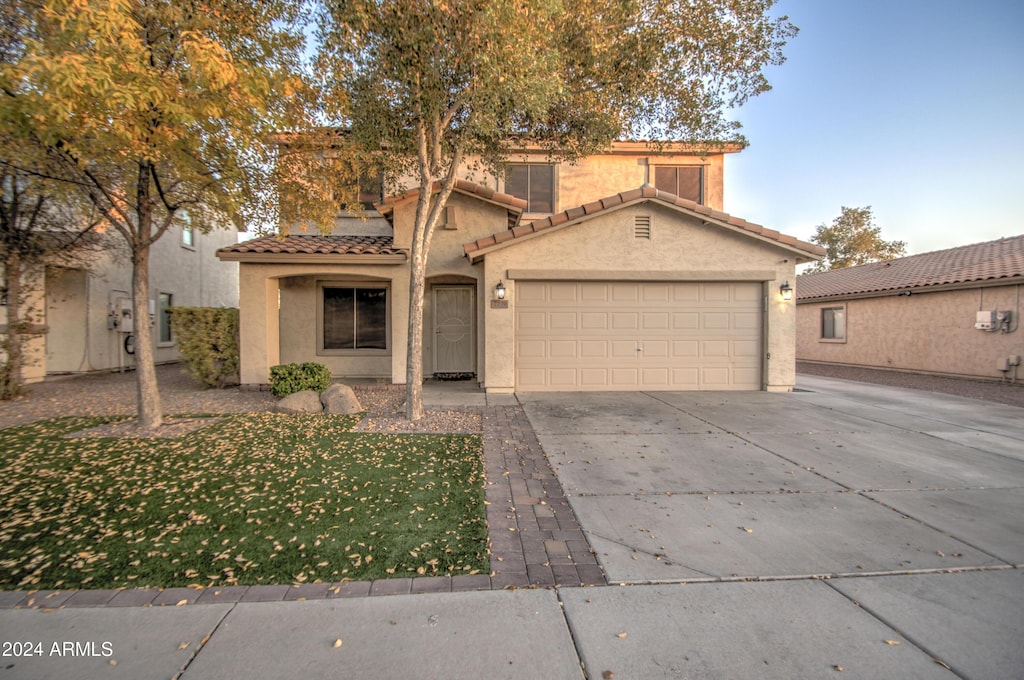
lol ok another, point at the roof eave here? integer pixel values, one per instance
(913, 290)
(311, 258)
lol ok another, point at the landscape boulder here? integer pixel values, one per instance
(306, 401)
(340, 400)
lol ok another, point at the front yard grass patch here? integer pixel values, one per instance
(253, 499)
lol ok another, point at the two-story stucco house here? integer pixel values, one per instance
(620, 272)
(82, 315)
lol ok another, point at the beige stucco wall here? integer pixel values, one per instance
(602, 175)
(681, 248)
(927, 332)
(288, 333)
(77, 301)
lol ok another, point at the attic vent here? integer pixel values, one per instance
(642, 227)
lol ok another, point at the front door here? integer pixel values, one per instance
(453, 330)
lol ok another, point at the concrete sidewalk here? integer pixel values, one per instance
(840, 476)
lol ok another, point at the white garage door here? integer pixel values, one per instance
(638, 336)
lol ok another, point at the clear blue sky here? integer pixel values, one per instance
(914, 107)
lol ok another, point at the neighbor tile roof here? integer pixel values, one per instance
(316, 244)
(646, 192)
(989, 261)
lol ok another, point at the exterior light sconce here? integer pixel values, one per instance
(786, 291)
(499, 291)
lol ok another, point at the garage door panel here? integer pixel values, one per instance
(562, 349)
(532, 321)
(625, 377)
(625, 292)
(690, 336)
(686, 349)
(625, 320)
(561, 321)
(746, 321)
(624, 349)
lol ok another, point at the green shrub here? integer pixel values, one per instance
(288, 379)
(208, 342)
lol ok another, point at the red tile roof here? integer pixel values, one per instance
(515, 206)
(1001, 260)
(314, 244)
(644, 193)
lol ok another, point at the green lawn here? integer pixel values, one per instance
(258, 498)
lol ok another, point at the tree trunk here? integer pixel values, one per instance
(414, 354)
(150, 408)
(13, 377)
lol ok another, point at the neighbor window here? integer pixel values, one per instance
(355, 317)
(833, 323)
(685, 181)
(534, 183)
(165, 318)
(188, 236)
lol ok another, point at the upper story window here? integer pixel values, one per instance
(371, 190)
(685, 181)
(188, 234)
(833, 323)
(534, 183)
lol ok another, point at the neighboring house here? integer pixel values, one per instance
(951, 312)
(562, 277)
(83, 315)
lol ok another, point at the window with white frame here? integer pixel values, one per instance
(354, 317)
(188, 234)
(833, 323)
(534, 183)
(684, 181)
(165, 301)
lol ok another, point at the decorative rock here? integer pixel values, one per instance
(306, 401)
(340, 400)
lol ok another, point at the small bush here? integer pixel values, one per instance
(288, 379)
(208, 342)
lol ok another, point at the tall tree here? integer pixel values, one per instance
(40, 226)
(429, 84)
(42, 222)
(853, 238)
(153, 107)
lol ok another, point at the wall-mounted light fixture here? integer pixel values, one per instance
(786, 291)
(499, 291)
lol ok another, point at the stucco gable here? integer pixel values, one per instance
(475, 250)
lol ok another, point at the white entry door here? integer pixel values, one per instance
(453, 329)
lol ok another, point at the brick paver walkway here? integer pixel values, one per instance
(536, 540)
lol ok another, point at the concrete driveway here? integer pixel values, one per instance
(867, 512)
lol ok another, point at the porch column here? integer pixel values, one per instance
(259, 325)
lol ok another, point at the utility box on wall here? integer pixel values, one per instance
(985, 321)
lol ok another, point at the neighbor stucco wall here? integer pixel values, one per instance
(606, 247)
(78, 300)
(927, 332)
